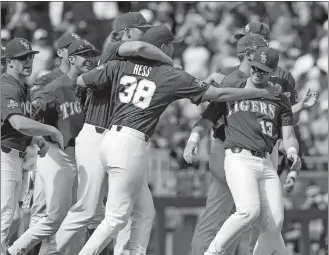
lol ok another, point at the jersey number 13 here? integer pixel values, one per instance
(139, 93)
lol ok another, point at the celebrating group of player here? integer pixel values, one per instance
(92, 126)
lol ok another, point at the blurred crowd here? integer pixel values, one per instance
(299, 31)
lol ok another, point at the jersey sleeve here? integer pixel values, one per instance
(100, 76)
(214, 111)
(286, 115)
(190, 88)
(111, 52)
(290, 88)
(10, 102)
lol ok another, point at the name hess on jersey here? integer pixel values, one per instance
(70, 108)
(142, 70)
(251, 106)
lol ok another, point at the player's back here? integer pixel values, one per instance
(143, 91)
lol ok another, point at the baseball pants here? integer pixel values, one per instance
(256, 191)
(58, 173)
(123, 153)
(92, 185)
(11, 182)
(219, 204)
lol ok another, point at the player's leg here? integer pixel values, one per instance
(11, 175)
(142, 217)
(218, 206)
(58, 171)
(272, 213)
(122, 240)
(242, 173)
(90, 190)
(124, 156)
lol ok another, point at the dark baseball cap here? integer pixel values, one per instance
(66, 39)
(81, 46)
(158, 35)
(255, 27)
(266, 59)
(3, 53)
(19, 47)
(250, 42)
(130, 20)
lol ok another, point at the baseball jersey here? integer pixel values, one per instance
(98, 102)
(143, 91)
(279, 78)
(62, 108)
(254, 124)
(15, 99)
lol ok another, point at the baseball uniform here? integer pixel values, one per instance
(89, 209)
(218, 207)
(252, 129)
(15, 99)
(58, 169)
(142, 93)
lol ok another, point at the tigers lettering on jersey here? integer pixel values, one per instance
(265, 108)
(69, 109)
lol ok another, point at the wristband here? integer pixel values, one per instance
(292, 174)
(292, 150)
(194, 137)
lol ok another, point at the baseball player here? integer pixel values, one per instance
(38, 208)
(252, 129)
(92, 184)
(142, 92)
(58, 169)
(18, 130)
(219, 199)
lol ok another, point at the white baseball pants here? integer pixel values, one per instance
(11, 182)
(92, 186)
(218, 207)
(256, 190)
(58, 172)
(123, 152)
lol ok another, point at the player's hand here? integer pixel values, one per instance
(296, 161)
(115, 36)
(216, 78)
(289, 184)
(43, 146)
(271, 92)
(57, 137)
(190, 149)
(309, 99)
(178, 67)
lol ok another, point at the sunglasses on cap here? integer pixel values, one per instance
(257, 70)
(24, 57)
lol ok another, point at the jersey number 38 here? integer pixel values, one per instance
(139, 93)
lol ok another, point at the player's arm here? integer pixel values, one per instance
(99, 77)
(212, 113)
(222, 92)
(145, 50)
(290, 142)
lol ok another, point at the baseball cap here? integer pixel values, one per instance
(158, 35)
(66, 39)
(81, 46)
(255, 27)
(266, 59)
(250, 42)
(19, 47)
(130, 20)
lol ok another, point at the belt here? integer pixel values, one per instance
(7, 150)
(119, 128)
(100, 130)
(259, 154)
